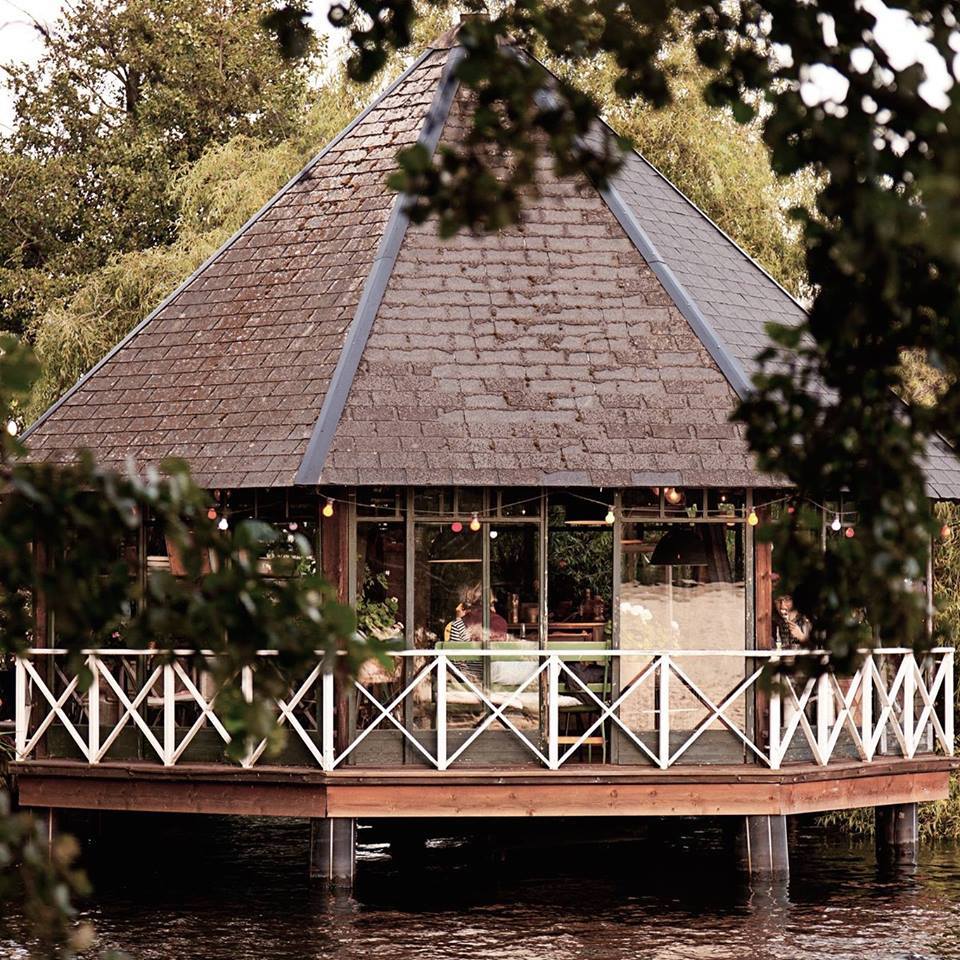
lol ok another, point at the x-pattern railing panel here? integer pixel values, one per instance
(891, 698)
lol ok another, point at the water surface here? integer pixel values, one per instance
(207, 888)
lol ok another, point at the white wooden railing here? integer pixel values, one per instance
(894, 704)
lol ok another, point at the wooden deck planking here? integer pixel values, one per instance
(400, 793)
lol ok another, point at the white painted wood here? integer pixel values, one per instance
(327, 718)
(93, 710)
(824, 714)
(131, 710)
(169, 715)
(776, 752)
(553, 712)
(909, 704)
(21, 720)
(663, 716)
(948, 703)
(868, 708)
(441, 714)
(56, 711)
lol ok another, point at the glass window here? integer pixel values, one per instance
(579, 567)
(683, 588)
(514, 578)
(683, 501)
(381, 590)
(642, 501)
(448, 576)
(726, 503)
(433, 501)
(518, 502)
(386, 502)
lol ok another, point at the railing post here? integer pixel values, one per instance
(93, 710)
(824, 715)
(663, 715)
(169, 715)
(909, 703)
(327, 720)
(553, 712)
(246, 691)
(866, 706)
(20, 707)
(441, 711)
(776, 705)
(948, 702)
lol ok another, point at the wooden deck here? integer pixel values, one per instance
(574, 791)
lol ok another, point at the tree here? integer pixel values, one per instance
(125, 93)
(829, 409)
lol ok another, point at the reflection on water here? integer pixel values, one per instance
(212, 888)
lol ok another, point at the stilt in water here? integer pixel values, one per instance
(897, 835)
(50, 822)
(762, 849)
(333, 851)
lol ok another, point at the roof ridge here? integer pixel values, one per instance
(706, 216)
(685, 303)
(374, 288)
(210, 260)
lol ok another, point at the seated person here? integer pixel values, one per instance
(468, 624)
(791, 626)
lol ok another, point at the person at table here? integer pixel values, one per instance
(468, 624)
(792, 627)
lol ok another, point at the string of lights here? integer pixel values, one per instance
(840, 522)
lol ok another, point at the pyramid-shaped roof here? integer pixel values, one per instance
(603, 342)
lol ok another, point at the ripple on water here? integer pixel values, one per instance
(218, 889)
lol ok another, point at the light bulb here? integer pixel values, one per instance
(945, 532)
(673, 495)
(474, 523)
(212, 514)
(849, 533)
(328, 508)
(609, 518)
(752, 518)
(456, 526)
(223, 524)
(836, 525)
(12, 428)
(493, 534)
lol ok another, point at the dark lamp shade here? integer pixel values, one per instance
(680, 547)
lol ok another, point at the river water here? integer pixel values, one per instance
(207, 888)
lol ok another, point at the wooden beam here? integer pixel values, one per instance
(174, 796)
(402, 793)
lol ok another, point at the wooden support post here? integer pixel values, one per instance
(896, 831)
(50, 818)
(762, 850)
(333, 851)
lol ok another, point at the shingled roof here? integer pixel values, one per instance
(603, 342)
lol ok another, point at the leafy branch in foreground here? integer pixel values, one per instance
(827, 412)
(81, 516)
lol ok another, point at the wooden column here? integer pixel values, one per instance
(334, 562)
(762, 850)
(897, 834)
(333, 851)
(763, 630)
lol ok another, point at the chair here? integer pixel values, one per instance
(570, 689)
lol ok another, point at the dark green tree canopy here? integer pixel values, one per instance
(126, 92)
